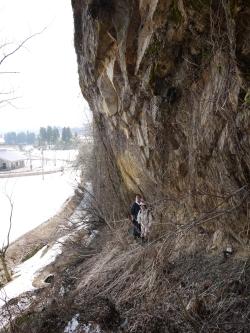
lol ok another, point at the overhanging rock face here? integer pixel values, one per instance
(168, 83)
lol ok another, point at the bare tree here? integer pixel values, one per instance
(6, 243)
(7, 97)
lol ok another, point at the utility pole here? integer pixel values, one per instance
(54, 157)
(42, 164)
(30, 160)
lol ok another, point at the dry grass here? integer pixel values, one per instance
(164, 285)
(149, 288)
(145, 285)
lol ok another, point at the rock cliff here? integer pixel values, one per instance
(168, 83)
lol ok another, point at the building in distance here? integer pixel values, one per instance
(11, 159)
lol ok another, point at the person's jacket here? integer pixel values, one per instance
(135, 208)
(145, 217)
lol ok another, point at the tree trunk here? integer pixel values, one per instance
(5, 268)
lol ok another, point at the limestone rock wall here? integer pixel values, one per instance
(168, 82)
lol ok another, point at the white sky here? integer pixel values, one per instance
(48, 81)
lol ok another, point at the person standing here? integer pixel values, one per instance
(144, 219)
(135, 208)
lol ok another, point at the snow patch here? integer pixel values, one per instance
(26, 272)
(72, 324)
(9, 313)
(34, 201)
(91, 328)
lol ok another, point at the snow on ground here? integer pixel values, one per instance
(52, 159)
(74, 326)
(47, 160)
(25, 272)
(13, 310)
(22, 282)
(35, 200)
(68, 155)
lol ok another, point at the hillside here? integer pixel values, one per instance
(168, 84)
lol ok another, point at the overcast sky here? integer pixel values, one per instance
(48, 81)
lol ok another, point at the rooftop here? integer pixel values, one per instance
(11, 155)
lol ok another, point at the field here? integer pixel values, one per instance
(35, 198)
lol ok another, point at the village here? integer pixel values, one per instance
(43, 158)
(14, 162)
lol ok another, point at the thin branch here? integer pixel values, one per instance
(9, 72)
(6, 93)
(9, 101)
(19, 46)
(10, 222)
(5, 44)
